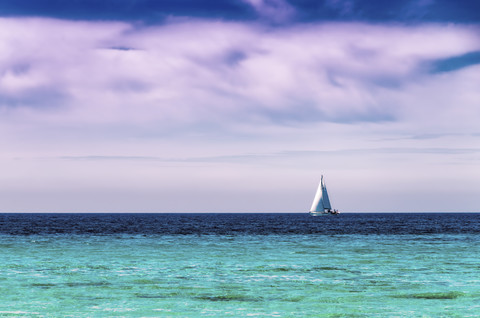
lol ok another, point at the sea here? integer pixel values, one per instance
(240, 265)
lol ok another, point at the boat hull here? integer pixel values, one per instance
(324, 213)
(318, 213)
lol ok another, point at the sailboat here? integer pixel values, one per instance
(321, 203)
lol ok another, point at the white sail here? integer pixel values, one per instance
(321, 202)
(317, 205)
(326, 200)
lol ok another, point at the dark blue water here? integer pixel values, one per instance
(238, 223)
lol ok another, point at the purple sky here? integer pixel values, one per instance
(219, 113)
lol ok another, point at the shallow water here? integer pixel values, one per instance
(283, 272)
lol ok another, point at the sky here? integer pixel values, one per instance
(239, 105)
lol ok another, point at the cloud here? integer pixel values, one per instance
(273, 156)
(89, 108)
(194, 73)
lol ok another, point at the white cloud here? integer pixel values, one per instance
(214, 71)
(194, 88)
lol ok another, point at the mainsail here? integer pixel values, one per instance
(321, 202)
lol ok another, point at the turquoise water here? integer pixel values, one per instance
(294, 275)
